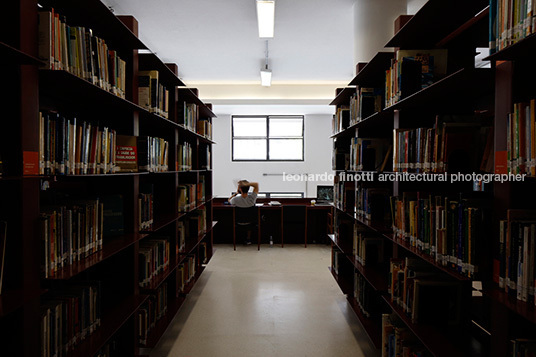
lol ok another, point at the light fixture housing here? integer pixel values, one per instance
(266, 77)
(265, 18)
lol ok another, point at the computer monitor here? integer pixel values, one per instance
(324, 193)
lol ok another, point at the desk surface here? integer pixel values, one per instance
(303, 202)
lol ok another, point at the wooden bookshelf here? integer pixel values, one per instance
(436, 341)
(117, 265)
(435, 21)
(514, 72)
(371, 326)
(15, 56)
(459, 27)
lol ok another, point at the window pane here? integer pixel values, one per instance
(249, 127)
(286, 195)
(286, 127)
(249, 149)
(286, 149)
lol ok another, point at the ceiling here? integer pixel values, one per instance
(216, 42)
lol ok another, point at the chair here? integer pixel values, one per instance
(245, 221)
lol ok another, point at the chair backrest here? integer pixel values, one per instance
(245, 215)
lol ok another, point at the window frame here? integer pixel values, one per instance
(267, 137)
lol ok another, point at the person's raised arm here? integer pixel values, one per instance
(233, 195)
(255, 186)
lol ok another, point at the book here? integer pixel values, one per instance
(113, 211)
(126, 154)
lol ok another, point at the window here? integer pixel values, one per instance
(267, 138)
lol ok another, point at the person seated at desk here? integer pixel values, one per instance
(242, 197)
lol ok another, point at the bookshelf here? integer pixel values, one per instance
(115, 268)
(512, 316)
(461, 91)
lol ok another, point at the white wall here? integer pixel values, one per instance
(318, 147)
(374, 26)
(415, 5)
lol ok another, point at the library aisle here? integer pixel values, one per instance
(272, 302)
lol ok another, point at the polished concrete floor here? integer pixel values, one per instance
(272, 302)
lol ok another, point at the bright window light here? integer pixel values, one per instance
(265, 18)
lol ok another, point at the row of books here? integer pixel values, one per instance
(146, 208)
(152, 310)
(181, 234)
(517, 242)
(448, 229)
(204, 127)
(71, 147)
(69, 316)
(510, 22)
(398, 340)
(205, 158)
(341, 119)
(184, 157)
(418, 290)
(191, 228)
(203, 253)
(70, 233)
(364, 295)
(367, 249)
(447, 146)
(412, 71)
(373, 204)
(344, 196)
(152, 95)
(521, 139)
(186, 272)
(75, 49)
(364, 103)
(152, 154)
(336, 257)
(153, 259)
(191, 194)
(369, 154)
(190, 116)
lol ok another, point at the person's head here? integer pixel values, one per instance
(243, 187)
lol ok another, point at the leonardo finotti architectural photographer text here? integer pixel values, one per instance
(407, 177)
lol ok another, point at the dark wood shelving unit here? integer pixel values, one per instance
(527, 310)
(63, 85)
(459, 27)
(373, 73)
(454, 274)
(343, 96)
(150, 61)
(436, 341)
(161, 222)
(116, 265)
(15, 56)
(109, 248)
(465, 83)
(189, 96)
(435, 21)
(161, 325)
(373, 329)
(100, 19)
(519, 50)
(111, 322)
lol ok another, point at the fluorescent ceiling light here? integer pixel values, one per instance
(266, 77)
(265, 18)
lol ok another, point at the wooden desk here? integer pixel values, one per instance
(293, 221)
